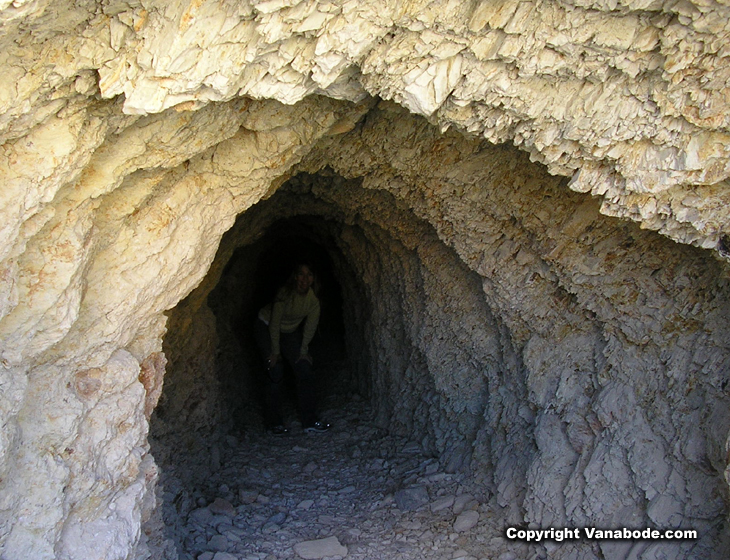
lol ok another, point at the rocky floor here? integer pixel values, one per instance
(354, 492)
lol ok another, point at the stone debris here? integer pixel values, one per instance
(247, 497)
(466, 521)
(310, 550)
(349, 511)
(223, 507)
(411, 499)
(224, 556)
(463, 502)
(442, 503)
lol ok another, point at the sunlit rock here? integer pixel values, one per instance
(526, 208)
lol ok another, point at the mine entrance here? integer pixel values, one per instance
(250, 280)
(405, 348)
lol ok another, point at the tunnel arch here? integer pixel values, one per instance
(588, 330)
(387, 278)
(536, 319)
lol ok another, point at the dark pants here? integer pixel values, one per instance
(289, 344)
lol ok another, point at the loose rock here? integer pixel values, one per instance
(222, 507)
(310, 550)
(410, 499)
(466, 521)
(347, 513)
(442, 503)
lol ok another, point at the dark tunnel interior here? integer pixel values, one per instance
(404, 324)
(406, 345)
(249, 281)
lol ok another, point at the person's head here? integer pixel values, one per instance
(303, 277)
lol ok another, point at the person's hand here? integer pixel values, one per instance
(272, 360)
(306, 358)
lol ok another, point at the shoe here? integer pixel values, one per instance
(318, 426)
(279, 430)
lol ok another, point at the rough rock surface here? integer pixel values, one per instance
(527, 372)
(576, 366)
(331, 495)
(629, 98)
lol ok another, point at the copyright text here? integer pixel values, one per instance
(592, 533)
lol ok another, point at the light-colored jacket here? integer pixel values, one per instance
(287, 312)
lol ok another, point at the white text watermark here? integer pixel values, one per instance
(593, 533)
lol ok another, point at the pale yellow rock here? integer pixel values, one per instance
(495, 13)
(133, 134)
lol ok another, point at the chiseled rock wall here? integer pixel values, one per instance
(85, 284)
(627, 98)
(607, 397)
(133, 133)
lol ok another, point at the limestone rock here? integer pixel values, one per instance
(320, 548)
(221, 506)
(463, 502)
(248, 496)
(224, 556)
(464, 164)
(410, 499)
(466, 521)
(218, 543)
(442, 503)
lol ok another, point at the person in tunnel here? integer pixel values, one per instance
(283, 331)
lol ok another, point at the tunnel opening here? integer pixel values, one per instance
(514, 338)
(380, 327)
(405, 339)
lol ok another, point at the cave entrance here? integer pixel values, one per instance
(399, 307)
(213, 380)
(406, 348)
(498, 325)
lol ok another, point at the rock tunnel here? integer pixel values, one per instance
(519, 212)
(470, 329)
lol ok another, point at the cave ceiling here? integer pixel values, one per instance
(629, 99)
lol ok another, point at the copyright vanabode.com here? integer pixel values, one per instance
(593, 533)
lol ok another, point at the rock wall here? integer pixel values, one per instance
(573, 364)
(133, 134)
(628, 98)
(86, 283)
(608, 335)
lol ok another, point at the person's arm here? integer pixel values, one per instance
(277, 312)
(310, 327)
